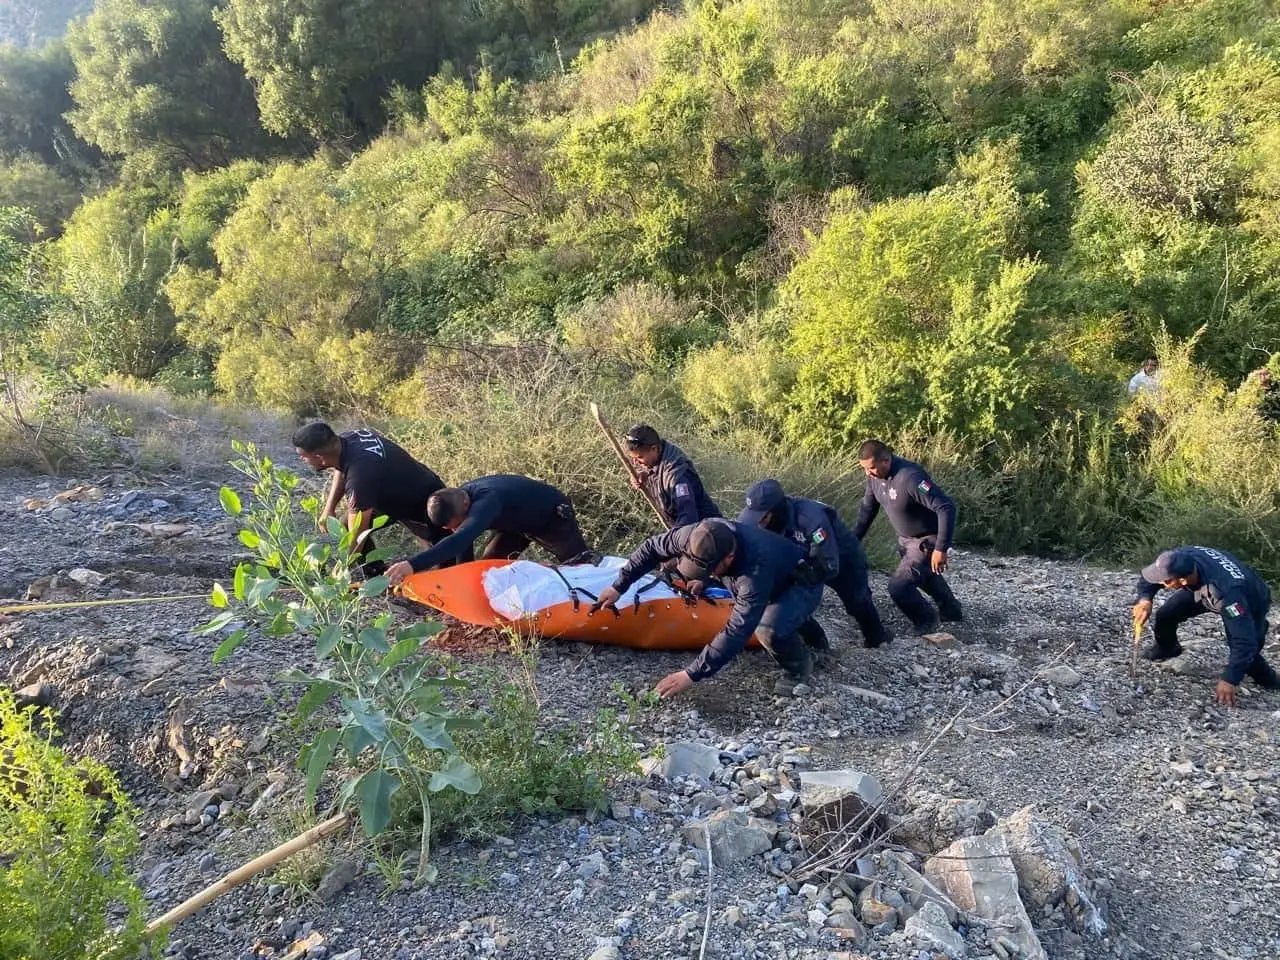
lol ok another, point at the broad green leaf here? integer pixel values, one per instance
(382, 553)
(230, 501)
(218, 596)
(315, 697)
(250, 539)
(280, 625)
(302, 618)
(356, 739)
(229, 645)
(261, 589)
(404, 647)
(456, 773)
(333, 526)
(433, 735)
(428, 872)
(217, 623)
(380, 522)
(237, 584)
(329, 638)
(318, 760)
(316, 554)
(374, 587)
(373, 638)
(369, 717)
(294, 675)
(427, 628)
(374, 791)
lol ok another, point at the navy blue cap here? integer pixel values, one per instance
(711, 542)
(1168, 566)
(761, 498)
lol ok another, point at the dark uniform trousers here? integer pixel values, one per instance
(1182, 605)
(914, 574)
(779, 627)
(851, 586)
(562, 538)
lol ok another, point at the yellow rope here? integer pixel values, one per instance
(62, 605)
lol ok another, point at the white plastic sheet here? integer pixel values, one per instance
(524, 587)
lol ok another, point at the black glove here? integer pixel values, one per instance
(601, 605)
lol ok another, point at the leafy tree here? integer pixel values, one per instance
(151, 78)
(33, 100)
(29, 23)
(111, 265)
(913, 297)
(48, 195)
(208, 200)
(323, 67)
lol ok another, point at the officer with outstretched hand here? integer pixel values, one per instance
(832, 549)
(669, 477)
(774, 592)
(381, 478)
(924, 519)
(1207, 580)
(517, 509)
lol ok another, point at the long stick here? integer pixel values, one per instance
(249, 871)
(1137, 642)
(626, 462)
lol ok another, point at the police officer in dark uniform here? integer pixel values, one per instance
(381, 477)
(832, 548)
(774, 592)
(923, 518)
(517, 509)
(667, 474)
(1206, 580)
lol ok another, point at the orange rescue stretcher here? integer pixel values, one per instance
(661, 624)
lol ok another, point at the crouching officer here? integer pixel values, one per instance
(517, 509)
(381, 477)
(669, 477)
(1205, 580)
(774, 592)
(832, 548)
(923, 518)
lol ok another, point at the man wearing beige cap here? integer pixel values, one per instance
(775, 590)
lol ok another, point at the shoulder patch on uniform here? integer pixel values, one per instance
(819, 536)
(1234, 610)
(925, 486)
(893, 493)
(682, 490)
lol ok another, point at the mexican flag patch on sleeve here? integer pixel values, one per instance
(819, 536)
(1234, 610)
(925, 486)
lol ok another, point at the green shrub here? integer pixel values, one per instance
(67, 832)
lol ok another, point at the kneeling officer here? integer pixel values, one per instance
(1205, 580)
(832, 548)
(774, 592)
(517, 509)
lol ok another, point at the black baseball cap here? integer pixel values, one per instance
(642, 435)
(1169, 565)
(764, 496)
(711, 542)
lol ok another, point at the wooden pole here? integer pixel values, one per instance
(249, 871)
(626, 462)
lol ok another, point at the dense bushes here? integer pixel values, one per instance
(773, 224)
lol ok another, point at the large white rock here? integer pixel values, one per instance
(683, 759)
(978, 874)
(734, 836)
(1048, 861)
(930, 928)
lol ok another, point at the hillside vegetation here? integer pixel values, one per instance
(771, 227)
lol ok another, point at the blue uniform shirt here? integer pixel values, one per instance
(818, 529)
(1234, 592)
(676, 486)
(506, 503)
(914, 504)
(763, 568)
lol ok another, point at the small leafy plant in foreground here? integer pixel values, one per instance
(67, 831)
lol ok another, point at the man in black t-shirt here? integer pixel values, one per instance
(381, 478)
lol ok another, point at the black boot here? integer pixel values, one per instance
(1157, 652)
(800, 667)
(814, 637)
(1261, 673)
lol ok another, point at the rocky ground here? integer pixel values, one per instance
(1174, 803)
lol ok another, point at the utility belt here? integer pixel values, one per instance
(809, 572)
